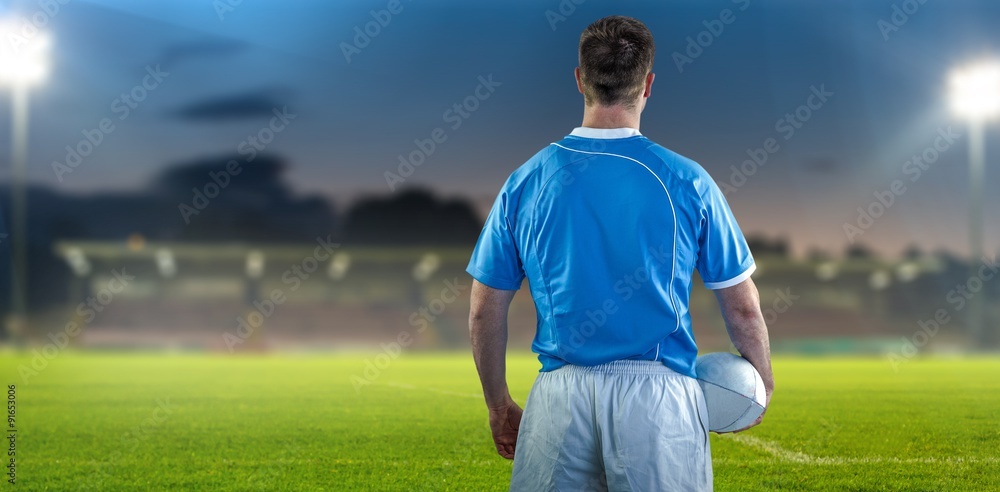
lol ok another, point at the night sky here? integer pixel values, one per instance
(230, 67)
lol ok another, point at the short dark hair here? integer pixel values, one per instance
(616, 54)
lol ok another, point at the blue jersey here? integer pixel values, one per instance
(608, 228)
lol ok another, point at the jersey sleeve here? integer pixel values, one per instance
(724, 258)
(495, 261)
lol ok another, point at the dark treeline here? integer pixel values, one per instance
(214, 200)
(220, 200)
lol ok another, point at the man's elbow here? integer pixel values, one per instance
(740, 303)
(476, 319)
(481, 319)
(488, 306)
(743, 314)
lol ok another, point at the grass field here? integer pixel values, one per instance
(268, 422)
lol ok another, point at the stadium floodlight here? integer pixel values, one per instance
(23, 62)
(426, 267)
(879, 280)
(975, 91)
(24, 53)
(339, 265)
(827, 271)
(255, 264)
(907, 271)
(77, 262)
(975, 96)
(165, 263)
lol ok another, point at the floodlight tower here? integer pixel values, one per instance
(23, 63)
(975, 96)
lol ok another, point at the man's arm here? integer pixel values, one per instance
(740, 306)
(488, 329)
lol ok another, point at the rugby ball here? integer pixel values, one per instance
(734, 391)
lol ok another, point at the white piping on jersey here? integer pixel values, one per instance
(673, 211)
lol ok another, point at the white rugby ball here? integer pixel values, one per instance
(734, 391)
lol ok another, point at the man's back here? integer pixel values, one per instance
(608, 228)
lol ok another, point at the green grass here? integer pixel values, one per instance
(90, 422)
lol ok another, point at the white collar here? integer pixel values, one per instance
(587, 132)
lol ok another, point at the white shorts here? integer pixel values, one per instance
(625, 425)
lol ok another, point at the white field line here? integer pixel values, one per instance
(435, 390)
(776, 450)
(796, 457)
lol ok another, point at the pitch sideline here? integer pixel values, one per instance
(775, 450)
(788, 455)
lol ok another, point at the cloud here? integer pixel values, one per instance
(822, 165)
(211, 48)
(238, 107)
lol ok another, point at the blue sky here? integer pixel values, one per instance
(353, 119)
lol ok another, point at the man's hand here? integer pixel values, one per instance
(488, 328)
(740, 305)
(767, 404)
(505, 420)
